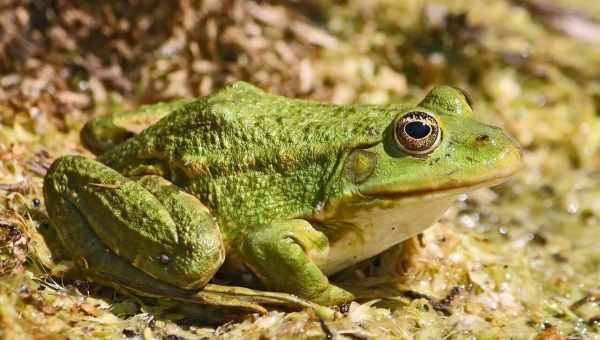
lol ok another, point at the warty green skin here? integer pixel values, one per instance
(252, 157)
(288, 188)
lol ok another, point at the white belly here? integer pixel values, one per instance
(379, 225)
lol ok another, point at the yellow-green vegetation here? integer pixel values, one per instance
(517, 261)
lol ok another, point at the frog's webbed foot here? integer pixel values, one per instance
(280, 255)
(219, 295)
(144, 235)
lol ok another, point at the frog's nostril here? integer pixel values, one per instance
(482, 139)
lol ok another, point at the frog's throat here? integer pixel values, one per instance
(365, 229)
(361, 227)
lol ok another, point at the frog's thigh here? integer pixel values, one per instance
(97, 260)
(151, 224)
(279, 254)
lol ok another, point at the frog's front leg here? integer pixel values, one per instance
(147, 235)
(280, 255)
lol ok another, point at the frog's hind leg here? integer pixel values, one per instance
(104, 132)
(145, 235)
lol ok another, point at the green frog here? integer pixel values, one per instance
(289, 190)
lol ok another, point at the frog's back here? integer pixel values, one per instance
(241, 126)
(242, 137)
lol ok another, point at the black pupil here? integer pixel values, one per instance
(417, 130)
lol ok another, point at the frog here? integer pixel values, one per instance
(288, 190)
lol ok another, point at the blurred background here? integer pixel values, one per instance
(517, 261)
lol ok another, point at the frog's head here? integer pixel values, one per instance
(434, 147)
(399, 186)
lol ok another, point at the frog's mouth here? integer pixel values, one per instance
(447, 187)
(441, 191)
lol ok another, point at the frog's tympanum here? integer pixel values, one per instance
(290, 190)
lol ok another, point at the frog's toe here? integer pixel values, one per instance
(333, 295)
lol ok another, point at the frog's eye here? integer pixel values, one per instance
(417, 133)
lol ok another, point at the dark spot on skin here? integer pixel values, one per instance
(482, 139)
(36, 202)
(164, 259)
